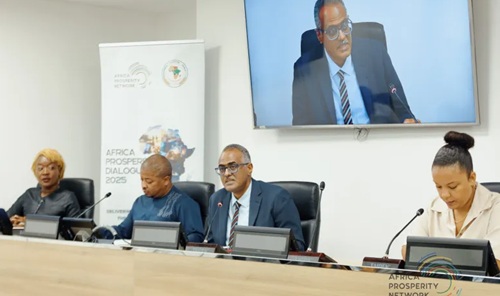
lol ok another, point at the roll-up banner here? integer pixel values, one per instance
(152, 102)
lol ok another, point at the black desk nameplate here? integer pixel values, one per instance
(383, 263)
(205, 248)
(310, 257)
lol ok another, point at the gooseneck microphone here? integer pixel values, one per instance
(314, 235)
(219, 205)
(92, 206)
(394, 91)
(39, 205)
(419, 212)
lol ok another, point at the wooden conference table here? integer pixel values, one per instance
(31, 266)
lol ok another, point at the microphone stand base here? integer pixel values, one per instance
(205, 248)
(310, 257)
(383, 262)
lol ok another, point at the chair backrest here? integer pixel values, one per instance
(305, 195)
(83, 188)
(371, 30)
(200, 192)
(492, 186)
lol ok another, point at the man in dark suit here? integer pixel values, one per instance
(245, 201)
(348, 80)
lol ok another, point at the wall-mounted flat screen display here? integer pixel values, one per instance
(361, 63)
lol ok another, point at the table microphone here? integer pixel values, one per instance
(205, 246)
(318, 208)
(219, 205)
(419, 212)
(92, 206)
(39, 205)
(385, 262)
(309, 255)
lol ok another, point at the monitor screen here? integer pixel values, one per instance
(79, 229)
(158, 234)
(42, 226)
(401, 61)
(451, 255)
(263, 241)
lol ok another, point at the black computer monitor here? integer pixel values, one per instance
(158, 234)
(42, 226)
(450, 255)
(77, 229)
(5, 224)
(263, 241)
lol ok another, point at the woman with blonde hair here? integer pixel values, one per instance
(47, 198)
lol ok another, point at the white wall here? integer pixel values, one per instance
(373, 187)
(50, 81)
(179, 24)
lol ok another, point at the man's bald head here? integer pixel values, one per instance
(158, 165)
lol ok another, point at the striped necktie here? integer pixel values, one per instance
(234, 222)
(344, 99)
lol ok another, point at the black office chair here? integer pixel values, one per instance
(83, 188)
(306, 197)
(200, 192)
(371, 30)
(492, 186)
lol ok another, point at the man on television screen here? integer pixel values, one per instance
(346, 79)
(248, 202)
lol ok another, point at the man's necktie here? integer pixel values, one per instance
(344, 99)
(234, 222)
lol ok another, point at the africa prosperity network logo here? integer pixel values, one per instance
(430, 266)
(137, 77)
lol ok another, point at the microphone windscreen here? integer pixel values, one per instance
(420, 212)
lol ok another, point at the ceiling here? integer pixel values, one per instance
(149, 6)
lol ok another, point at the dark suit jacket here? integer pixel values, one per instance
(312, 88)
(270, 206)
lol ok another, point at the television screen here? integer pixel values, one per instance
(368, 64)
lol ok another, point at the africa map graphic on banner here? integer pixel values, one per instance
(168, 143)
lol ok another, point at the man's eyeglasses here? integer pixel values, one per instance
(233, 168)
(333, 32)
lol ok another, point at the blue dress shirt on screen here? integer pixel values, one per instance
(358, 110)
(175, 207)
(243, 214)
